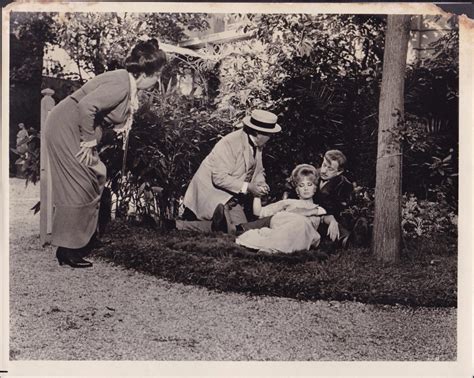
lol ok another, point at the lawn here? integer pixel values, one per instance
(425, 276)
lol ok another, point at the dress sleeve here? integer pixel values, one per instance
(105, 97)
(273, 208)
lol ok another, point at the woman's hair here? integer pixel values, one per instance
(146, 57)
(303, 171)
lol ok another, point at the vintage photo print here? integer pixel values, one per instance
(236, 189)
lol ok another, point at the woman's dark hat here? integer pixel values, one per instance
(262, 121)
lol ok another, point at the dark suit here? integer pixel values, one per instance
(334, 195)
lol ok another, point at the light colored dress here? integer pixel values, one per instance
(288, 231)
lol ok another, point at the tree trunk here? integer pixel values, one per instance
(387, 222)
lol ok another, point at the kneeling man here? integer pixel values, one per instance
(231, 171)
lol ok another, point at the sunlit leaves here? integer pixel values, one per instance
(101, 41)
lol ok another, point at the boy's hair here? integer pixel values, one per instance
(302, 171)
(336, 155)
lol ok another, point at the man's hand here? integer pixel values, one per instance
(264, 187)
(333, 230)
(258, 190)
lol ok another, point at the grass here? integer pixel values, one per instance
(422, 278)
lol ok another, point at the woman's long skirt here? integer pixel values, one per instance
(288, 232)
(76, 188)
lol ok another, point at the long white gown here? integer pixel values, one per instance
(288, 232)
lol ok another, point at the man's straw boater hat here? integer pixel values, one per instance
(262, 121)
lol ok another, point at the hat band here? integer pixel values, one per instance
(263, 125)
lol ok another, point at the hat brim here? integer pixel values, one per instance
(274, 130)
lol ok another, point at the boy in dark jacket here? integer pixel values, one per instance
(333, 194)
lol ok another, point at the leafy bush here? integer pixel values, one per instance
(428, 219)
(421, 219)
(169, 139)
(361, 206)
(100, 41)
(320, 73)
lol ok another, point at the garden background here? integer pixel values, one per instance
(321, 74)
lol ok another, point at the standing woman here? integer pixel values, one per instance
(72, 133)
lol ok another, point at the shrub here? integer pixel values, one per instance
(426, 218)
(170, 137)
(420, 218)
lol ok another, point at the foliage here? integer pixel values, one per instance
(216, 262)
(170, 137)
(320, 74)
(427, 218)
(426, 157)
(29, 32)
(421, 218)
(361, 205)
(98, 42)
(432, 121)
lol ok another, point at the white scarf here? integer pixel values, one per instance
(125, 129)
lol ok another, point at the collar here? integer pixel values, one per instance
(133, 106)
(329, 179)
(323, 182)
(133, 94)
(252, 141)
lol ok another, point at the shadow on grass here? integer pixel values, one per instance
(216, 262)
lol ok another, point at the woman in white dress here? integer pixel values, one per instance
(294, 222)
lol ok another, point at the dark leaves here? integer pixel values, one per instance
(36, 208)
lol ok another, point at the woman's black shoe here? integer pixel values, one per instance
(81, 263)
(60, 256)
(66, 256)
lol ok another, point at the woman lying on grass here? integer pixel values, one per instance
(294, 222)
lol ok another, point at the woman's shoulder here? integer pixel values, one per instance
(299, 203)
(116, 81)
(120, 75)
(291, 201)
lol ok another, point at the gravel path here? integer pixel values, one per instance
(109, 313)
